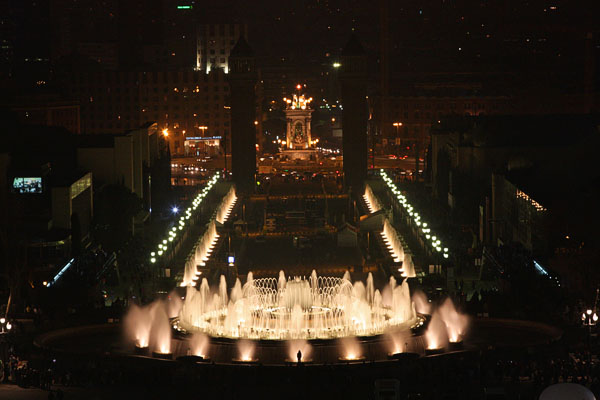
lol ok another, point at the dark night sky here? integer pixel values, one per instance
(526, 38)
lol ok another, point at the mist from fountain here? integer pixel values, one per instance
(422, 304)
(174, 304)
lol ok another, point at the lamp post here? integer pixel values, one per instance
(5, 326)
(397, 125)
(589, 318)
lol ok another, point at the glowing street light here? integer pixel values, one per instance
(165, 132)
(336, 65)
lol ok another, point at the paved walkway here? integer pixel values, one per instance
(14, 392)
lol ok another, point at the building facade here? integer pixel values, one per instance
(48, 111)
(184, 103)
(214, 43)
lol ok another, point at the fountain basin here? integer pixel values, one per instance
(141, 351)
(162, 356)
(455, 346)
(352, 359)
(245, 361)
(431, 352)
(193, 359)
(404, 356)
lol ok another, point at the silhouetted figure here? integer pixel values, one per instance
(299, 355)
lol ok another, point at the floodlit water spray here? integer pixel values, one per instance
(207, 242)
(149, 326)
(392, 240)
(160, 334)
(226, 206)
(200, 255)
(350, 349)
(398, 341)
(246, 350)
(138, 323)
(199, 344)
(456, 323)
(436, 335)
(296, 308)
(371, 200)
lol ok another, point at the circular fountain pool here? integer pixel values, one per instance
(297, 308)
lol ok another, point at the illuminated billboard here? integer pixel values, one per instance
(27, 185)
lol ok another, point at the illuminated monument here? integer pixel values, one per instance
(298, 144)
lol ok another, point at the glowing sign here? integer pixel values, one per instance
(27, 185)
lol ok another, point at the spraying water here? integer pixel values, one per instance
(296, 308)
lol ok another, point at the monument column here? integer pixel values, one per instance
(242, 81)
(353, 82)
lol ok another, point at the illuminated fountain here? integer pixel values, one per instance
(246, 351)
(149, 328)
(199, 344)
(200, 255)
(296, 308)
(227, 204)
(205, 245)
(436, 335)
(456, 323)
(392, 240)
(371, 200)
(446, 328)
(350, 349)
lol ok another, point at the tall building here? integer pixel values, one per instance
(47, 110)
(186, 103)
(353, 82)
(214, 43)
(242, 80)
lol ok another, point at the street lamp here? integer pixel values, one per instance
(589, 318)
(397, 125)
(5, 326)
